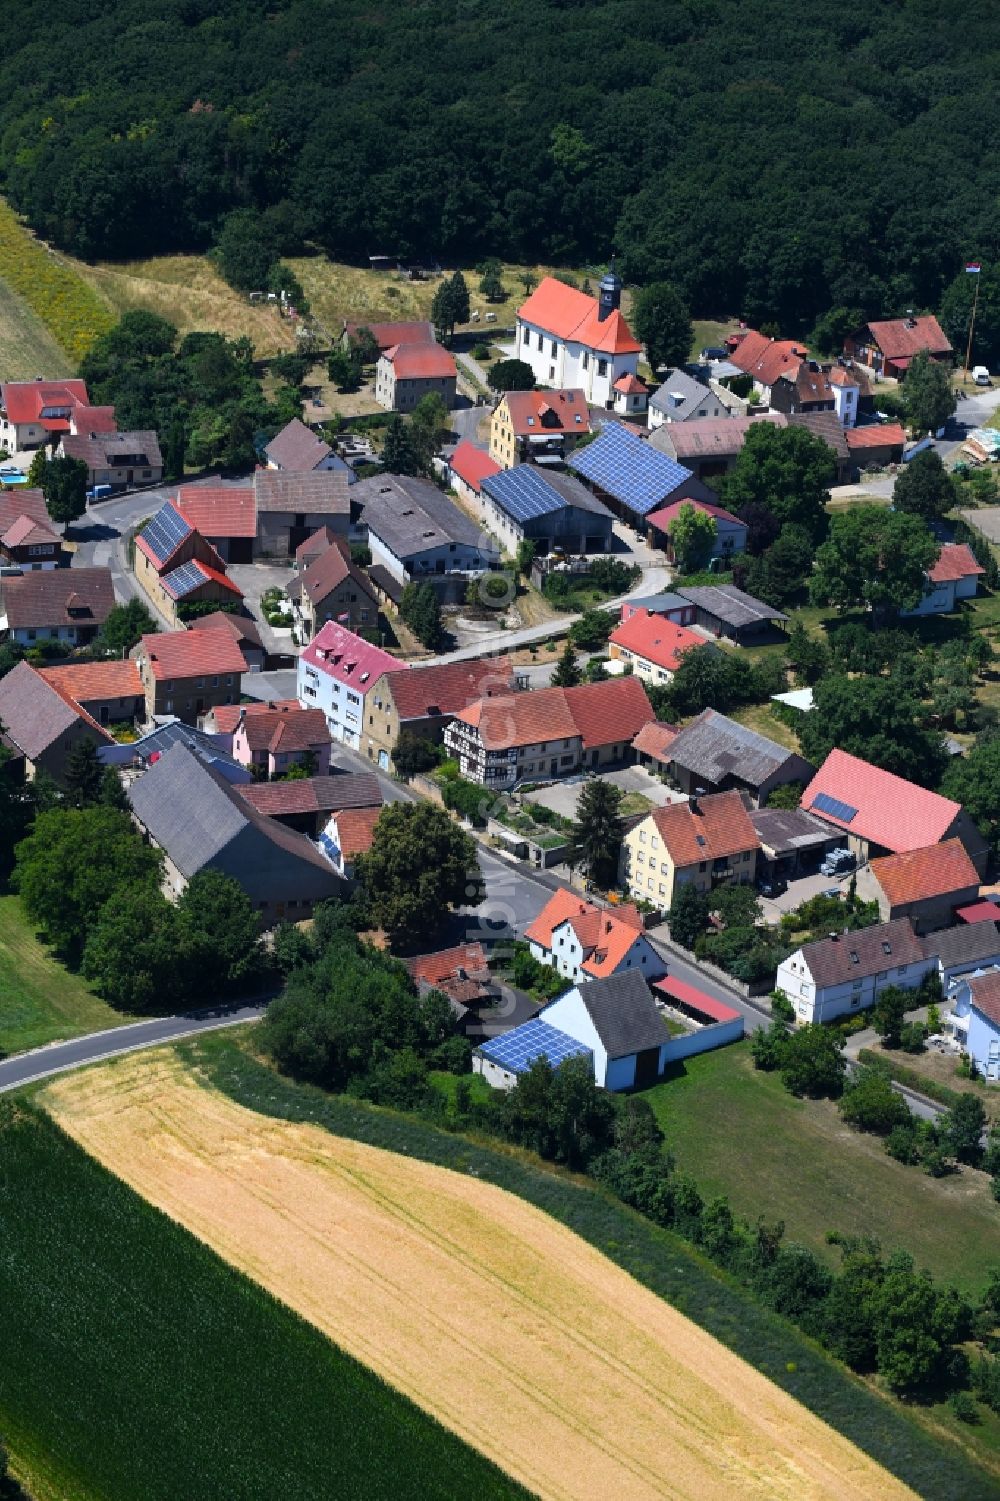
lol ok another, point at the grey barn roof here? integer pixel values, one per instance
(787, 830)
(965, 944)
(210, 748)
(411, 516)
(715, 747)
(317, 492)
(624, 1013)
(731, 605)
(831, 961)
(678, 383)
(658, 604)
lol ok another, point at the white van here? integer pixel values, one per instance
(980, 375)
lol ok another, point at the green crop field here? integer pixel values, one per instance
(71, 311)
(27, 348)
(740, 1133)
(891, 1433)
(137, 1366)
(40, 1001)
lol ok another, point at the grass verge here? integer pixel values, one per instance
(69, 308)
(27, 348)
(40, 1000)
(137, 1366)
(656, 1258)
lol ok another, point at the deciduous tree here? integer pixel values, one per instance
(133, 952)
(875, 558)
(511, 375)
(927, 393)
(220, 934)
(662, 322)
(420, 865)
(874, 719)
(692, 536)
(789, 471)
(64, 485)
(925, 488)
(812, 1061)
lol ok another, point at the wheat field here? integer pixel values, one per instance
(512, 1331)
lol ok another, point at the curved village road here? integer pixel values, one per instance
(57, 1057)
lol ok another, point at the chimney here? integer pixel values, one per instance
(833, 937)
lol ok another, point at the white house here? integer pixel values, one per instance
(965, 948)
(976, 1020)
(584, 942)
(847, 389)
(416, 532)
(570, 339)
(848, 971)
(954, 576)
(681, 398)
(336, 672)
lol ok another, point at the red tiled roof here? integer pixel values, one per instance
(560, 906)
(573, 316)
(875, 435)
(356, 829)
(15, 503)
(238, 626)
(720, 827)
(387, 334)
(348, 658)
(26, 530)
(209, 576)
(86, 681)
(768, 359)
(655, 639)
(443, 965)
(23, 401)
(472, 464)
(318, 541)
(955, 561)
(563, 411)
(606, 713)
(328, 572)
(227, 716)
(891, 811)
(286, 730)
(421, 362)
(313, 794)
(449, 687)
(666, 515)
(35, 712)
(630, 385)
(87, 420)
(935, 870)
(219, 510)
(190, 654)
(46, 597)
(599, 713)
(978, 912)
(697, 1000)
(985, 993)
(655, 739)
(897, 338)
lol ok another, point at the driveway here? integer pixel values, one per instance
(801, 891)
(271, 686)
(563, 797)
(254, 579)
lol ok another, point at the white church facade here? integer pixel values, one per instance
(572, 340)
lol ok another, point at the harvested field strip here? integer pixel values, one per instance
(71, 310)
(511, 1330)
(138, 1366)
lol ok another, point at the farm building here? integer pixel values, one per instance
(550, 510)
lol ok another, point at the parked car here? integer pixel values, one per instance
(833, 891)
(772, 886)
(981, 375)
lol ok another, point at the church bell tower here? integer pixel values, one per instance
(610, 293)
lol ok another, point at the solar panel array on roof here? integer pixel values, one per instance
(627, 468)
(182, 580)
(518, 1049)
(166, 532)
(824, 803)
(522, 493)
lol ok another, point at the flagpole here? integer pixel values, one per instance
(972, 324)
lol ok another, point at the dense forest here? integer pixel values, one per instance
(774, 159)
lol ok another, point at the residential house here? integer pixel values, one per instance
(889, 347)
(316, 545)
(41, 723)
(766, 360)
(702, 842)
(334, 588)
(875, 446)
(707, 447)
(828, 427)
(29, 539)
(882, 814)
(244, 631)
(292, 506)
(388, 334)
(551, 510)
(714, 753)
(225, 515)
(631, 475)
(977, 1016)
(550, 732)
(631, 396)
(306, 803)
(57, 604)
(730, 531)
(467, 468)
(130, 759)
(727, 611)
(110, 691)
(852, 391)
(273, 741)
(670, 606)
(584, 942)
(805, 388)
(349, 833)
(613, 1022)
(35, 412)
(415, 532)
(652, 646)
(847, 971)
(406, 373)
(792, 843)
(529, 425)
(186, 673)
(461, 973)
(954, 576)
(221, 720)
(571, 340)
(121, 460)
(925, 885)
(967, 948)
(188, 809)
(424, 700)
(174, 564)
(652, 745)
(337, 672)
(681, 398)
(299, 449)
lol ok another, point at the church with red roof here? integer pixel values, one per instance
(573, 340)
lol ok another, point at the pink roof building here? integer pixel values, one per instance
(336, 673)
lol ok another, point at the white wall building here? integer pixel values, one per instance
(848, 971)
(336, 672)
(570, 339)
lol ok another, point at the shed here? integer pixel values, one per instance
(727, 611)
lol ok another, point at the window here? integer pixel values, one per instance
(215, 682)
(649, 883)
(147, 474)
(702, 864)
(641, 858)
(555, 348)
(525, 336)
(655, 843)
(663, 892)
(539, 341)
(602, 367)
(901, 970)
(585, 360)
(746, 857)
(642, 836)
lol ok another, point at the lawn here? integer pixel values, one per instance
(710, 333)
(739, 1133)
(137, 1366)
(759, 717)
(40, 1000)
(27, 348)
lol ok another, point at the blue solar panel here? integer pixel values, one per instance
(182, 580)
(626, 468)
(824, 803)
(523, 493)
(166, 532)
(517, 1049)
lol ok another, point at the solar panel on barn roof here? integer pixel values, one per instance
(625, 467)
(523, 493)
(824, 803)
(517, 1050)
(183, 580)
(165, 533)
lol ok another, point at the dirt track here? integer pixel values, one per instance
(511, 1330)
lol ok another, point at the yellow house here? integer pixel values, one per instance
(701, 842)
(526, 424)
